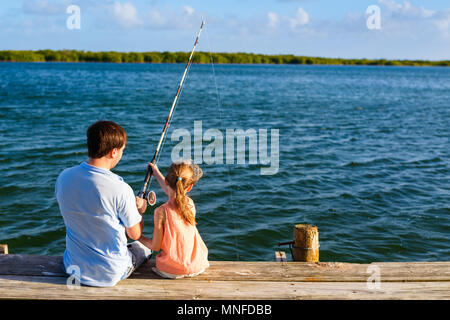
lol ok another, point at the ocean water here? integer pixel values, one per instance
(363, 152)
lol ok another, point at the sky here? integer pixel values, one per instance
(407, 29)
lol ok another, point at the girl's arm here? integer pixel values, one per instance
(145, 241)
(159, 177)
(158, 231)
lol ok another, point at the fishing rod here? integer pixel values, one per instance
(150, 196)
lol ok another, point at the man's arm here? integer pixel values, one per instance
(135, 232)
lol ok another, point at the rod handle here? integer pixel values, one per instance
(143, 191)
(148, 174)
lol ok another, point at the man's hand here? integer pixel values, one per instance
(141, 205)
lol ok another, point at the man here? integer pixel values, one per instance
(100, 210)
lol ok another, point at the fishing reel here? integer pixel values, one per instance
(150, 196)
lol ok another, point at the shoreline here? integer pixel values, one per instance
(200, 57)
(226, 64)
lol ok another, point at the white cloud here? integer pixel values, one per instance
(188, 10)
(273, 19)
(413, 22)
(156, 18)
(406, 9)
(43, 7)
(286, 23)
(301, 18)
(442, 22)
(390, 5)
(126, 14)
(187, 17)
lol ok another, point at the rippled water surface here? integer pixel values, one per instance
(364, 152)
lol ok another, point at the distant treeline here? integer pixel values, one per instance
(199, 57)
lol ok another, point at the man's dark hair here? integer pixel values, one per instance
(103, 136)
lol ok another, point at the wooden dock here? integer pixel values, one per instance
(42, 277)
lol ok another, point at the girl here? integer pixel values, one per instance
(183, 252)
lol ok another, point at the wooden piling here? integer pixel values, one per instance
(306, 243)
(3, 249)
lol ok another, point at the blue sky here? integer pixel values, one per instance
(409, 29)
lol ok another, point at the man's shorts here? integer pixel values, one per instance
(139, 255)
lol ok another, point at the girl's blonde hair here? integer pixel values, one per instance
(179, 177)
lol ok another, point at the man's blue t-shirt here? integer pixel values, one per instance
(96, 205)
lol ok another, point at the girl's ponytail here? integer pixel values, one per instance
(179, 177)
(182, 203)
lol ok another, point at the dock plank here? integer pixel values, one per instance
(318, 272)
(31, 265)
(37, 287)
(43, 277)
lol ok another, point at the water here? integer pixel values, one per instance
(364, 153)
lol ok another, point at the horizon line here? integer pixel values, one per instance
(233, 53)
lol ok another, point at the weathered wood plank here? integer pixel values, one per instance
(31, 265)
(317, 272)
(32, 287)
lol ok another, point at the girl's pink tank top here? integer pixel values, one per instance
(183, 250)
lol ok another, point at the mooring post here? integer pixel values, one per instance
(306, 243)
(3, 249)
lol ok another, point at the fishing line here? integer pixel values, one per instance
(221, 121)
(165, 136)
(150, 196)
(170, 122)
